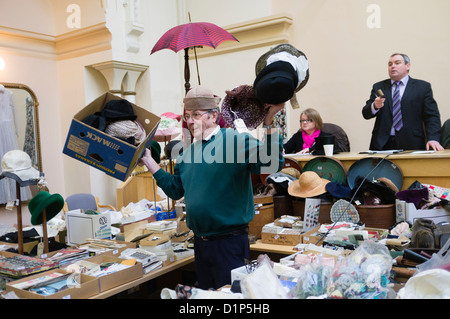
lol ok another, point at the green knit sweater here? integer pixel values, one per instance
(214, 178)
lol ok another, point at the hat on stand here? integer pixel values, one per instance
(17, 165)
(280, 73)
(52, 204)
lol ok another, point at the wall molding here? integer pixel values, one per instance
(267, 31)
(75, 43)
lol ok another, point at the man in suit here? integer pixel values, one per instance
(418, 124)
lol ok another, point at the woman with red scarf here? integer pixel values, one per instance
(304, 141)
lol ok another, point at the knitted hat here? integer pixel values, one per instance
(241, 103)
(200, 98)
(130, 131)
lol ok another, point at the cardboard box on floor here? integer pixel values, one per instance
(89, 287)
(111, 155)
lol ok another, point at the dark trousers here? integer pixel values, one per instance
(214, 259)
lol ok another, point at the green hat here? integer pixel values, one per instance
(43, 200)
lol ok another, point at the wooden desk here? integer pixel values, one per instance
(433, 168)
(259, 246)
(151, 275)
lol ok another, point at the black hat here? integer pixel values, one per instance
(118, 110)
(287, 53)
(174, 148)
(276, 83)
(95, 120)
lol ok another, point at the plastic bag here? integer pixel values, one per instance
(312, 281)
(364, 274)
(439, 260)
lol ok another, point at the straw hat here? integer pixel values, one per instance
(310, 184)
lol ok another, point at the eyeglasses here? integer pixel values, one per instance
(194, 115)
(306, 121)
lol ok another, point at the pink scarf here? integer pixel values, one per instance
(309, 140)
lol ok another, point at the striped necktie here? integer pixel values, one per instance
(396, 111)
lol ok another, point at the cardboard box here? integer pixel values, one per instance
(263, 215)
(118, 278)
(408, 212)
(312, 236)
(81, 226)
(272, 234)
(89, 287)
(111, 155)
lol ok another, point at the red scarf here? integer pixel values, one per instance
(309, 140)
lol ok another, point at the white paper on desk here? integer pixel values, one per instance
(384, 152)
(297, 154)
(422, 152)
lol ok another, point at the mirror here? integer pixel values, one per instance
(25, 119)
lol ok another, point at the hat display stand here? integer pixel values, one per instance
(19, 214)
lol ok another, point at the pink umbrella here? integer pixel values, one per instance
(191, 35)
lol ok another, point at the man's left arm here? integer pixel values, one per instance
(432, 120)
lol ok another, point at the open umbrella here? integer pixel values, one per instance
(191, 35)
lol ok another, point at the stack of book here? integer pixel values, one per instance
(19, 266)
(68, 256)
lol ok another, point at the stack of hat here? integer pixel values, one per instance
(280, 73)
(117, 118)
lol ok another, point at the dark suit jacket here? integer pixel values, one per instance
(295, 144)
(420, 113)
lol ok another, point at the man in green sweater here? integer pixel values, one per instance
(214, 176)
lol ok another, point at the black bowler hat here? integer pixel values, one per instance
(276, 83)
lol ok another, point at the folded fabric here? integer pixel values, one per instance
(415, 196)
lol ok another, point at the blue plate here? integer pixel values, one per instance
(386, 168)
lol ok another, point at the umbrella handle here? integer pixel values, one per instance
(187, 74)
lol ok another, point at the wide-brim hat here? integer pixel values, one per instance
(366, 190)
(200, 98)
(310, 184)
(287, 53)
(17, 165)
(52, 204)
(242, 103)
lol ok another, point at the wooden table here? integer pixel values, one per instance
(151, 275)
(430, 168)
(257, 247)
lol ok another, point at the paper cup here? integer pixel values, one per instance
(328, 148)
